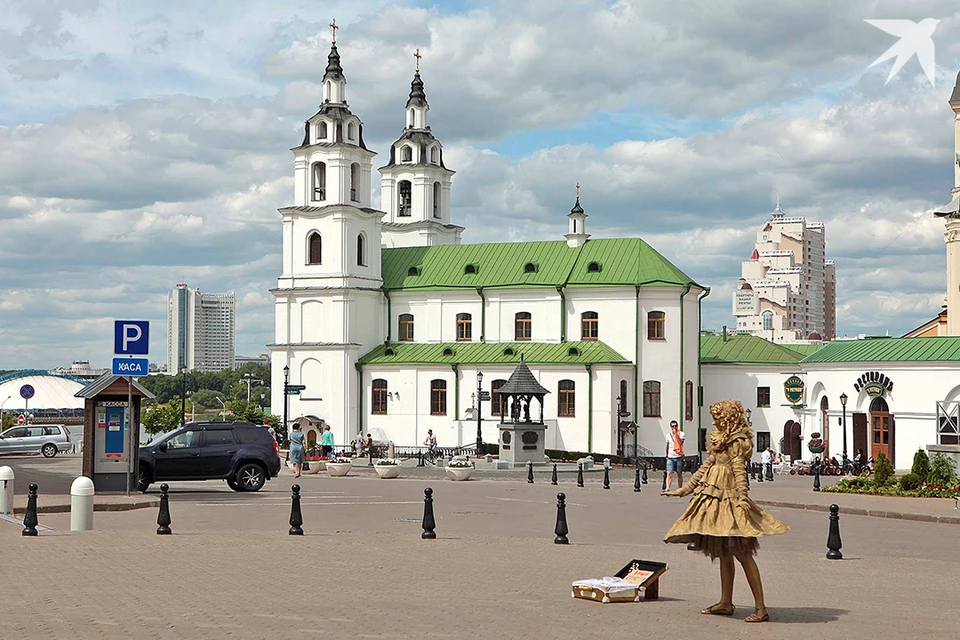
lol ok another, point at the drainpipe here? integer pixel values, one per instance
(360, 395)
(483, 315)
(589, 407)
(636, 378)
(386, 294)
(563, 314)
(703, 294)
(456, 394)
(686, 290)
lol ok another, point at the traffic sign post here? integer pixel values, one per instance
(21, 419)
(295, 389)
(131, 338)
(26, 392)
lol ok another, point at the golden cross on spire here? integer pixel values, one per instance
(418, 56)
(333, 26)
(578, 191)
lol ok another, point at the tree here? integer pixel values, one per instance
(882, 469)
(921, 465)
(163, 417)
(206, 399)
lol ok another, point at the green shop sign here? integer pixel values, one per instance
(793, 389)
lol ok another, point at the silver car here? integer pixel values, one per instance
(48, 439)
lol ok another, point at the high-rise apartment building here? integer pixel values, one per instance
(787, 290)
(201, 330)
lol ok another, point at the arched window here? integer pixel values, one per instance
(622, 400)
(411, 118)
(651, 399)
(354, 181)
(314, 249)
(566, 399)
(438, 397)
(496, 399)
(351, 131)
(589, 325)
(319, 181)
(327, 90)
(767, 320)
(435, 155)
(378, 404)
(321, 130)
(406, 153)
(405, 333)
(361, 250)
(404, 190)
(464, 327)
(522, 326)
(593, 267)
(825, 421)
(655, 325)
(688, 400)
(880, 426)
(436, 199)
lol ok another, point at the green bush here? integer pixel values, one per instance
(911, 481)
(882, 470)
(921, 465)
(855, 483)
(942, 472)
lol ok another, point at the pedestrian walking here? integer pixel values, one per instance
(297, 449)
(674, 454)
(766, 459)
(326, 441)
(269, 427)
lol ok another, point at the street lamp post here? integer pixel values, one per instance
(249, 379)
(1, 411)
(479, 418)
(843, 403)
(286, 384)
(183, 395)
(224, 405)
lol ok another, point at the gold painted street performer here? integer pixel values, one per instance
(721, 519)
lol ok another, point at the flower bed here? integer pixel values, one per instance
(459, 470)
(894, 487)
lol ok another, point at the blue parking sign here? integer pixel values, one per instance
(131, 337)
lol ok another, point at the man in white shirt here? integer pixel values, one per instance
(674, 454)
(766, 459)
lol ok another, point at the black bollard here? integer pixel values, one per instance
(643, 474)
(816, 478)
(553, 478)
(296, 517)
(429, 525)
(664, 488)
(579, 474)
(529, 472)
(833, 536)
(420, 464)
(636, 480)
(561, 528)
(163, 518)
(30, 520)
(693, 546)
(606, 477)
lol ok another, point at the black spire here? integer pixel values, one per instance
(334, 70)
(577, 208)
(417, 97)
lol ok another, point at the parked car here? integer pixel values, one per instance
(48, 439)
(243, 454)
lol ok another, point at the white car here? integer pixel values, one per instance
(48, 439)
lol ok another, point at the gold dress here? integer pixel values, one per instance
(714, 520)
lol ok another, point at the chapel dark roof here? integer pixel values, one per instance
(956, 90)
(522, 382)
(334, 70)
(417, 97)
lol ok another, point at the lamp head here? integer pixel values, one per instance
(286, 370)
(843, 399)
(479, 377)
(748, 413)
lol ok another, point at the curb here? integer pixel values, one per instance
(106, 506)
(856, 511)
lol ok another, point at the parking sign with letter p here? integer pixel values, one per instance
(131, 337)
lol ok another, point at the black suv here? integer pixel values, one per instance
(243, 454)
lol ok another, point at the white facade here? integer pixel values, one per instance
(201, 330)
(782, 293)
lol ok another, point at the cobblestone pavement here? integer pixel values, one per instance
(231, 571)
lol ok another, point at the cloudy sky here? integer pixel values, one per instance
(145, 144)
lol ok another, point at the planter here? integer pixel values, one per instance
(316, 466)
(816, 449)
(339, 468)
(458, 473)
(387, 470)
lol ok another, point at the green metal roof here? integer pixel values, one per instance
(889, 350)
(584, 352)
(744, 349)
(621, 261)
(805, 349)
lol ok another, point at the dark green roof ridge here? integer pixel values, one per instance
(493, 353)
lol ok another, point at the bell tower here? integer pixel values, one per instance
(415, 184)
(577, 224)
(951, 216)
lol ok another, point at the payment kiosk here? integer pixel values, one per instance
(111, 424)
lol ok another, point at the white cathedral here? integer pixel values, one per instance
(392, 325)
